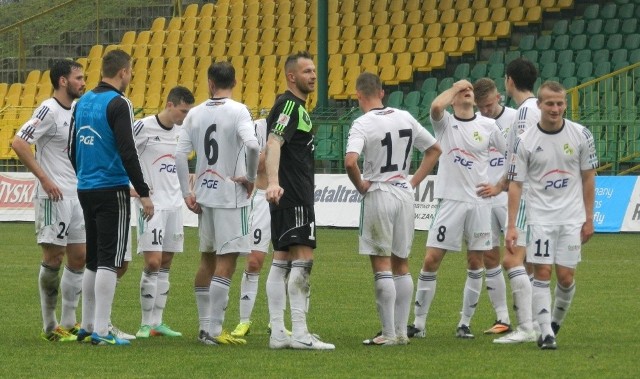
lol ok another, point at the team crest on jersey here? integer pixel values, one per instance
(283, 119)
(477, 136)
(567, 149)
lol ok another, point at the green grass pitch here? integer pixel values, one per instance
(599, 338)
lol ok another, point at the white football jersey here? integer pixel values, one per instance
(387, 137)
(464, 162)
(217, 130)
(527, 116)
(497, 159)
(552, 164)
(156, 145)
(48, 128)
(261, 133)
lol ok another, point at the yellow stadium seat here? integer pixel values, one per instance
(467, 45)
(284, 34)
(203, 50)
(383, 46)
(399, 46)
(485, 30)
(252, 22)
(299, 46)
(369, 61)
(416, 45)
(420, 62)
(220, 36)
(451, 30)
(268, 8)
(158, 24)
(499, 14)
(386, 59)
(405, 73)
(382, 32)
(336, 73)
(235, 23)
(187, 75)
(478, 4)
(171, 50)
(397, 5)
(202, 93)
(433, 45)
(428, 5)
(283, 48)
(156, 76)
(533, 15)
(416, 31)
(218, 49)
(267, 99)
(363, 19)
(516, 15)
(481, 15)
(266, 48)
(348, 32)
(189, 23)
(252, 8)
(468, 29)
(333, 20)
(451, 45)
(464, 15)
(188, 62)
(352, 60)
(363, 6)
(299, 20)
(203, 63)
(378, 5)
(336, 88)
(126, 48)
(414, 17)
(186, 50)
(155, 51)
(189, 37)
(236, 10)
(172, 64)
(221, 23)
(236, 35)
(462, 4)
(437, 60)
(29, 89)
(397, 18)
(82, 61)
(283, 21)
(206, 10)
(191, 10)
(94, 65)
(268, 35)
(347, 6)
(284, 7)
(173, 37)
(388, 75)
(174, 24)
(300, 6)
(408, 5)
(351, 73)
(348, 47)
(140, 51)
(510, 4)
(495, 4)
(300, 34)
(447, 16)
(313, 47)
(205, 24)
(333, 33)
(235, 48)
(381, 18)
(251, 99)
(347, 19)
(269, 61)
(33, 77)
(502, 30)
(250, 35)
(109, 48)
(128, 38)
(204, 37)
(365, 46)
(95, 52)
(222, 9)
(399, 31)
(44, 92)
(433, 30)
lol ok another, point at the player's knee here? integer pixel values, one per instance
(52, 255)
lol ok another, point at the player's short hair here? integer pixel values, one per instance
(62, 68)
(484, 87)
(292, 60)
(114, 61)
(552, 86)
(179, 94)
(368, 84)
(523, 73)
(222, 74)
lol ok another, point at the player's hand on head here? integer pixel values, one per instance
(463, 85)
(274, 193)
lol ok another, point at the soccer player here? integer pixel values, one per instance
(467, 139)
(59, 222)
(386, 136)
(520, 78)
(221, 132)
(290, 175)
(488, 103)
(162, 236)
(103, 153)
(260, 224)
(558, 161)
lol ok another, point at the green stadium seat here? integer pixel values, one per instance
(395, 99)
(629, 26)
(478, 71)
(583, 55)
(595, 26)
(601, 69)
(543, 42)
(527, 42)
(461, 71)
(585, 70)
(611, 26)
(591, 12)
(548, 56)
(608, 11)
(596, 42)
(412, 99)
(561, 42)
(427, 99)
(576, 27)
(579, 42)
(567, 69)
(561, 27)
(531, 55)
(496, 71)
(626, 11)
(614, 42)
(632, 41)
(548, 70)
(601, 55)
(570, 82)
(429, 84)
(509, 56)
(496, 56)
(445, 84)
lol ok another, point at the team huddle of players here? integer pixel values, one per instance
(527, 173)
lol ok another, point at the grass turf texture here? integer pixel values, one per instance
(598, 339)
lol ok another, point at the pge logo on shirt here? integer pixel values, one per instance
(462, 160)
(556, 183)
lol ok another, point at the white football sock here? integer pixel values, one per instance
(248, 293)
(299, 292)
(521, 289)
(424, 296)
(385, 302)
(219, 293)
(48, 283)
(402, 307)
(497, 290)
(71, 288)
(541, 295)
(277, 294)
(105, 290)
(162, 295)
(148, 291)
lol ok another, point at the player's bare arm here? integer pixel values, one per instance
(353, 171)
(588, 196)
(272, 163)
(515, 192)
(445, 99)
(23, 150)
(429, 161)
